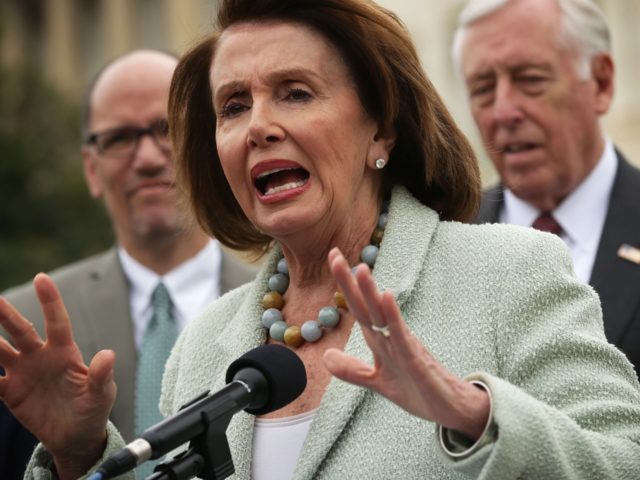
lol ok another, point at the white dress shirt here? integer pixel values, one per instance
(581, 215)
(192, 286)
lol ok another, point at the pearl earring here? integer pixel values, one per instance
(380, 163)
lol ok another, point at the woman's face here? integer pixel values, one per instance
(295, 143)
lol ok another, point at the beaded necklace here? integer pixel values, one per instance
(328, 316)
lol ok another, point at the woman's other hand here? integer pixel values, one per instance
(404, 371)
(50, 389)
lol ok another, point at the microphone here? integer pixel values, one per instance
(262, 380)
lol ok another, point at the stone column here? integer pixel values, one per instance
(186, 22)
(117, 18)
(623, 121)
(60, 42)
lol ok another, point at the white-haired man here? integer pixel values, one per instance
(539, 75)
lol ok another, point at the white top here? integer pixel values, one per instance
(581, 215)
(192, 286)
(277, 444)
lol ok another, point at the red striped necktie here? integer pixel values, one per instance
(546, 223)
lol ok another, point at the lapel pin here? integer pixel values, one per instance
(629, 253)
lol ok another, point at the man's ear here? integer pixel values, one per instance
(602, 72)
(91, 175)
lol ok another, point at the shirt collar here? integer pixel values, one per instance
(202, 268)
(582, 213)
(517, 211)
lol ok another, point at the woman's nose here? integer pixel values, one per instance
(264, 127)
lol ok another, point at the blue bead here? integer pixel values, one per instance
(329, 316)
(369, 255)
(283, 267)
(276, 331)
(279, 283)
(271, 316)
(311, 331)
(382, 221)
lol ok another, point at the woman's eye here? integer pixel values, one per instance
(233, 109)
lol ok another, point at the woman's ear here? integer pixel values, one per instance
(383, 142)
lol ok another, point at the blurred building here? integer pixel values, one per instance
(70, 39)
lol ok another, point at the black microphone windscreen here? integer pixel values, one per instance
(283, 369)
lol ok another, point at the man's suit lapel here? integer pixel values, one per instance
(106, 307)
(233, 272)
(492, 201)
(617, 280)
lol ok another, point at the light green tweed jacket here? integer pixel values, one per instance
(492, 302)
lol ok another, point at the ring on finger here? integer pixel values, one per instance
(383, 330)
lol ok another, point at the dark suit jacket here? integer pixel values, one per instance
(616, 280)
(16, 445)
(96, 294)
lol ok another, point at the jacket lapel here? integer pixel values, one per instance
(105, 307)
(245, 333)
(396, 270)
(616, 279)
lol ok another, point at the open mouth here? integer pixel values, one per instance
(280, 180)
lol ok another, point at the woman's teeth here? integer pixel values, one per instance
(286, 186)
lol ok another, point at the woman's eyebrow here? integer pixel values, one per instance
(275, 76)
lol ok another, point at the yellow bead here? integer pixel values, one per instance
(293, 336)
(376, 236)
(339, 299)
(272, 300)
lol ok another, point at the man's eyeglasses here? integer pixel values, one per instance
(122, 142)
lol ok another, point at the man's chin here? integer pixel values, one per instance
(540, 194)
(160, 227)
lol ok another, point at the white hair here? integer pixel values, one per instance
(584, 29)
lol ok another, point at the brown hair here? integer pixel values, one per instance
(431, 156)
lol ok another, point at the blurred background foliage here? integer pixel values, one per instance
(47, 217)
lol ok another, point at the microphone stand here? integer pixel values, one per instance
(208, 455)
(204, 420)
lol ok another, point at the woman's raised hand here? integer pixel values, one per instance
(404, 371)
(50, 389)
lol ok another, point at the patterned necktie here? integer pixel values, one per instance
(159, 337)
(546, 223)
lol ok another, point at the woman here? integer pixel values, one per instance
(287, 142)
